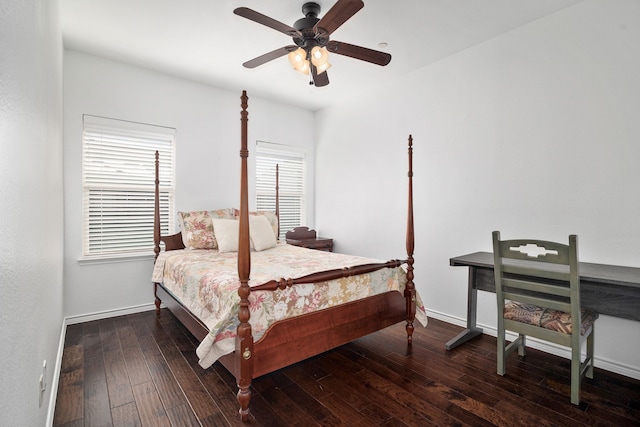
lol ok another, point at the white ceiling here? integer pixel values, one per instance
(203, 40)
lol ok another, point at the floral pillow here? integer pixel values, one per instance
(271, 216)
(197, 227)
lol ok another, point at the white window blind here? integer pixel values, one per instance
(118, 176)
(291, 166)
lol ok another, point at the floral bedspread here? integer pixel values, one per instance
(206, 282)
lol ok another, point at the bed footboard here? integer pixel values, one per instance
(314, 333)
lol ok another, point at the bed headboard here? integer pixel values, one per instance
(174, 241)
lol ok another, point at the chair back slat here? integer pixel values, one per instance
(518, 285)
(553, 272)
(535, 250)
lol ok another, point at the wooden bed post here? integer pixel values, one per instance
(410, 289)
(278, 199)
(156, 227)
(244, 339)
(156, 209)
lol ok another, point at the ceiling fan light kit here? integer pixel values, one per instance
(299, 59)
(311, 35)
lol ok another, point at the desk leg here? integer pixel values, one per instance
(472, 330)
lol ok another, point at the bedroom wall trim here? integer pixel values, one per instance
(557, 350)
(88, 317)
(53, 389)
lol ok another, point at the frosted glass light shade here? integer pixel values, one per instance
(298, 59)
(320, 58)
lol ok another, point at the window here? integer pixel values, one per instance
(291, 167)
(118, 175)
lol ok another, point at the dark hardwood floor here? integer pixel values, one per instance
(142, 370)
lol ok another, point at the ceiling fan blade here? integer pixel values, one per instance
(258, 17)
(359, 52)
(338, 15)
(321, 79)
(274, 54)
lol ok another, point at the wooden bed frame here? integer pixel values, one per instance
(292, 340)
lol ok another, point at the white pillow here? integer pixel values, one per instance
(261, 233)
(226, 231)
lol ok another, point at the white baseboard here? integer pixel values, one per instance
(547, 347)
(53, 390)
(71, 320)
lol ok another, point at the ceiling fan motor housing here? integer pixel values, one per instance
(305, 25)
(311, 9)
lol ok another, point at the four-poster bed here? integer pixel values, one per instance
(318, 316)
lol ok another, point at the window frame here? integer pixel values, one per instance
(118, 187)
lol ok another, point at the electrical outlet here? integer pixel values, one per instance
(43, 382)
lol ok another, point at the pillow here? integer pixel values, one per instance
(197, 228)
(227, 231)
(261, 233)
(271, 216)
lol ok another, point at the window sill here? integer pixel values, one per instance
(115, 259)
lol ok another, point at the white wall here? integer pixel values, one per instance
(207, 159)
(534, 133)
(31, 206)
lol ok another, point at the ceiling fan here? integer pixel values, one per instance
(311, 36)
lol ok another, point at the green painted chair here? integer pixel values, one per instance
(538, 292)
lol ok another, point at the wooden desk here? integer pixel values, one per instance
(608, 289)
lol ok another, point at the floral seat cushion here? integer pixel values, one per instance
(555, 320)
